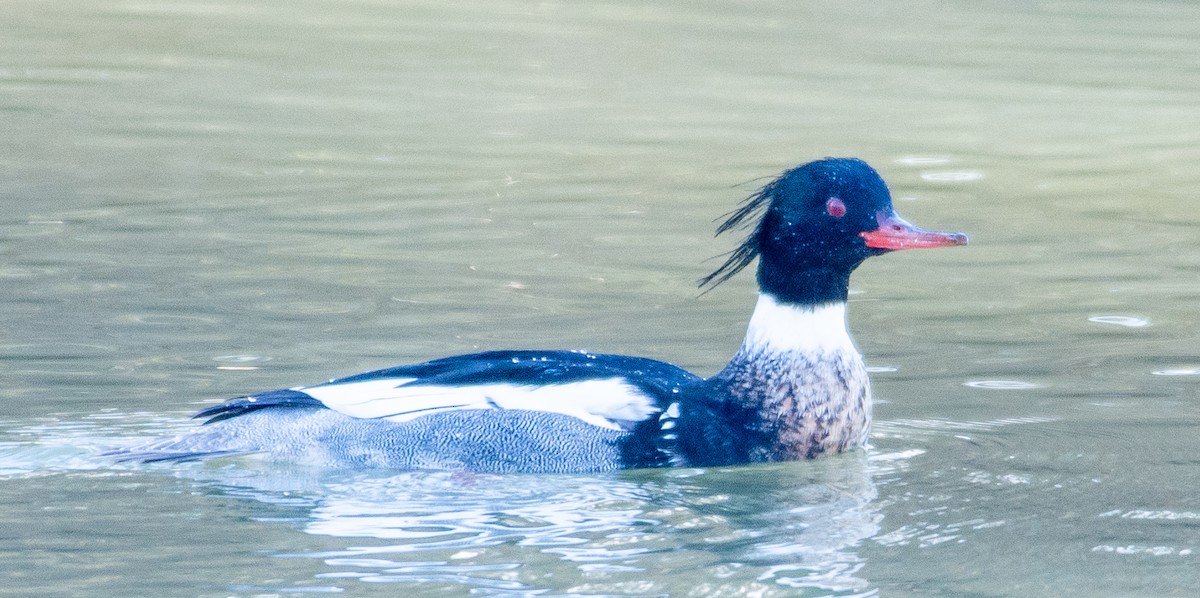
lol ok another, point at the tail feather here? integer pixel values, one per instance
(149, 455)
(243, 405)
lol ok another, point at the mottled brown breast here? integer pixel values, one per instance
(807, 405)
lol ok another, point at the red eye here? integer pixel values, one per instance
(835, 207)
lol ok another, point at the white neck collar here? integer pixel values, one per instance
(813, 329)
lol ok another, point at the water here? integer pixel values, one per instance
(200, 200)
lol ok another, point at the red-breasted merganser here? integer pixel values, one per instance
(797, 388)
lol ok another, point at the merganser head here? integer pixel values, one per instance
(815, 224)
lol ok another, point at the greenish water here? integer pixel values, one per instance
(199, 200)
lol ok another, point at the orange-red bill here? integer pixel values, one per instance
(896, 233)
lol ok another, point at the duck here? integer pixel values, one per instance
(797, 388)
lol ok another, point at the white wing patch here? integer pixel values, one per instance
(602, 403)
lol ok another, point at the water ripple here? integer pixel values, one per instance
(960, 176)
(480, 531)
(1177, 372)
(1137, 549)
(1001, 384)
(1126, 321)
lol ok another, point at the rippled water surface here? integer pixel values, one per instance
(199, 200)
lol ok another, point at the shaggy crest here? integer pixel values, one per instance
(751, 210)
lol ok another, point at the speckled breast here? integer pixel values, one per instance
(807, 404)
